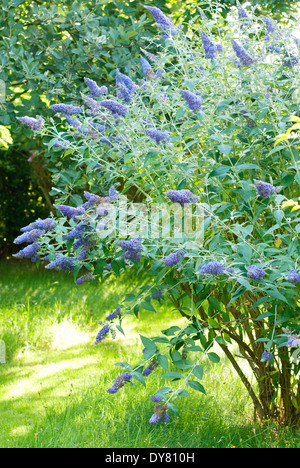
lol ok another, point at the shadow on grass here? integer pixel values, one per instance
(57, 397)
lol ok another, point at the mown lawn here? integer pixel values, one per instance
(53, 385)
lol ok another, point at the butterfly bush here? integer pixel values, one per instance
(196, 128)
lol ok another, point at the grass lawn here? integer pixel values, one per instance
(53, 385)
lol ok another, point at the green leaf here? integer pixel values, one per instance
(138, 376)
(171, 331)
(173, 408)
(196, 386)
(225, 149)
(183, 393)
(183, 364)
(198, 372)
(172, 375)
(213, 357)
(151, 347)
(213, 323)
(264, 315)
(148, 306)
(276, 294)
(115, 267)
(163, 362)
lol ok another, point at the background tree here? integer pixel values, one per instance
(47, 48)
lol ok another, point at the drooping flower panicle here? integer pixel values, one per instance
(182, 197)
(255, 272)
(242, 54)
(95, 90)
(193, 100)
(164, 23)
(264, 189)
(174, 258)
(114, 107)
(67, 109)
(133, 249)
(294, 276)
(35, 124)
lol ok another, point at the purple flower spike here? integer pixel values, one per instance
(255, 272)
(158, 135)
(42, 224)
(85, 278)
(174, 258)
(164, 23)
(155, 398)
(147, 69)
(69, 211)
(264, 189)
(120, 382)
(182, 196)
(67, 109)
(113, 194)
(266, 356)
(29, 236)
(242, 54)
(35, 124)
(165, 418)
(157, 295)
(114, 107)
(243, 16)
(294, 277)
(29, 252)
(133, 248)
(271, 27)
(293, 341)
(159, 412)
(62, 263)
(126, 376)
(115, 314)
(102, 334)
(154, 419)
(212, 268)
(210, 49)
(150, 368)
(94, 88)
(125, 87)
(193, 100)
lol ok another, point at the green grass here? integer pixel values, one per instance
(53, 386)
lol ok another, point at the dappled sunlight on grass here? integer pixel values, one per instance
(53, 388)
(65, 335)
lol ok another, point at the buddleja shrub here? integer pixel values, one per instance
(198, 130)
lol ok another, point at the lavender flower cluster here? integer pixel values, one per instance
(193, 100)
(242, 54)
(173, 258)
(35, 124)
(125, 87)
(255, 272)
(133, 249)
(31, 234)
(210, 48)
(160, 414)
(102, 334)
(182, 196)
(164, 23)
(95, 90)
(264, 189)
(150, 368)
(158, 135)
(120, 382)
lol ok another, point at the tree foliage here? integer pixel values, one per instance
(46, 49)
(199, 129)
